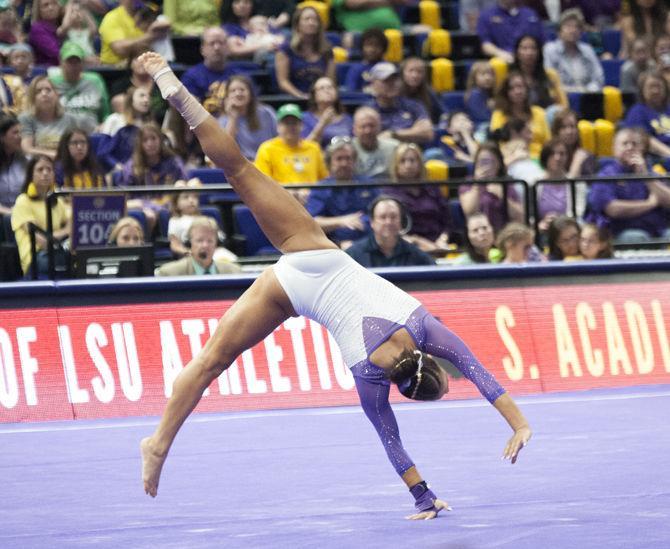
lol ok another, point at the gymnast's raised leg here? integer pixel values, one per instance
(264, 305)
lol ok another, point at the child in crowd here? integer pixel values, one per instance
(184, 209)
(145, 17)
(515, 244)
(479, 92)
(136, 111)
(373, 45)
(261, 39)
(81, 29)
(596, 242)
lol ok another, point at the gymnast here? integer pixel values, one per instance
(385, 335)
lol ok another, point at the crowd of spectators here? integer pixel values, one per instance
(360, 142)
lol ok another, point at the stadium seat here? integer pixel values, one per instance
(139, 216)
(453, 101)
(612, 70)
(442, 75)
(213, 176)
(612, 41)
(395, 51)
(10, 264)
(187, 49)
(430, 14)
(255, 241)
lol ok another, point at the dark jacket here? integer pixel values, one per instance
(366, 251)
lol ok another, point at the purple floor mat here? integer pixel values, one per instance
(596, 474)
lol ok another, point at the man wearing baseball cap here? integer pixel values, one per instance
(402, 118)
(82, 93)
(288, 158)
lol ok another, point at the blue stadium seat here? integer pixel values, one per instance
(612, 70)
(612, 41)
(213, 176)
(256, 243)
(141, 219)
(341, 70)
(454, 101)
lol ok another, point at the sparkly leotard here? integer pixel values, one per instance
(362, 310)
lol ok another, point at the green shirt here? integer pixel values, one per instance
(367, 18)
(192, 17)
(88, 96)
(200, 270)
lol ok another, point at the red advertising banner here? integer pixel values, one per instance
(121, 360)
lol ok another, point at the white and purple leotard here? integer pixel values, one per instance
(362, 310)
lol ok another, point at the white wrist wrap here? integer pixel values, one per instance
(180, 98)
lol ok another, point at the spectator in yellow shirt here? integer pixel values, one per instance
(288, 158)
(121, 37)
(513, 101)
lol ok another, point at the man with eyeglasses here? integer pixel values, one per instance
(341, 212)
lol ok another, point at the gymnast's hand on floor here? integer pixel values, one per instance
(431, 513)
(519, 439)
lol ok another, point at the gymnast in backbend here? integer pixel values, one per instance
(385, 335)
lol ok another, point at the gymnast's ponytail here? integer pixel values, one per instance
(418, 376)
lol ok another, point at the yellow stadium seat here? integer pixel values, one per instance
(322, 8)
(394, 52)
(438, 170)
(612, 104)
(429, 14)
(442, 75)
(340, 55)
(500, 68)
(439, 43)
(604, 130)
(587, 135)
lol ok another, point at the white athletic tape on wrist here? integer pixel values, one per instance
(180, 98)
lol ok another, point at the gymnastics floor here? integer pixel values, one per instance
(596, 474)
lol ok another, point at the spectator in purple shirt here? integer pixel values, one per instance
(43, 36)
(553, 200)
(488, 197)
(501, 26)
(402, 119)
(634, 210)
(307, 57)
(652, 112)
(425, 204)
(206, 80)
(326, 117)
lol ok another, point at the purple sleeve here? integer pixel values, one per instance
(44, 41)
(442, 342)
(601, 194)
(483, 27)
(375, 401)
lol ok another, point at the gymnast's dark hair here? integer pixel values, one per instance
(417, 376)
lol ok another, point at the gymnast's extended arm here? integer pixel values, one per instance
(442, 342)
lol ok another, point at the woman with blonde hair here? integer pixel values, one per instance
(45, 121)
(425, 204)
(127, 232)
(307, 57)
(479, 92)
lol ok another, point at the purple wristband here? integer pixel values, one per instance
(423, 496)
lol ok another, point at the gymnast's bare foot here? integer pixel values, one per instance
(152, 463)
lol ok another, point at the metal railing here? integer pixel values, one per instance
(233, 199)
